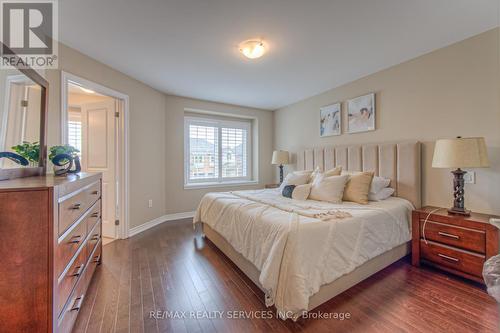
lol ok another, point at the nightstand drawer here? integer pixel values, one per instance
(465, 238)
(452, 258)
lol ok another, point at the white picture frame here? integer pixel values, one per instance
(330, 120)
(361, 114)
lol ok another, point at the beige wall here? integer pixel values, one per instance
(449, 92)
(156, 137)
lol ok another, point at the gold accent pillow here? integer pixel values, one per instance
(358, 187)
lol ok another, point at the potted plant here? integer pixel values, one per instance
(30, 151)
(55, 153)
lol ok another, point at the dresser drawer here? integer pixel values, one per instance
(94, 237)
(465, 238)
(73, 206)
(67, 246)
(68, 316)
(453, 258)
(94, 215)
(94, 261)
(68, 279)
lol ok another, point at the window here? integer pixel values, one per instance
(75, 128)
(216, 151)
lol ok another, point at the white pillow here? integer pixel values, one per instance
(330, 189)
(381, 195)
(295, 178)
(301, 192)
(379, 183)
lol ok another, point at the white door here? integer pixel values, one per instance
(98, 155)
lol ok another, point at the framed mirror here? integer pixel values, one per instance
(23, 122)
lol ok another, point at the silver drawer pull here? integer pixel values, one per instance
(95, 237)
(445, 234)
(76, 206)
(97, 258)
(78, 271)
(95, 192)
(75, 239)
(78, 303)
(448, 257)
(96, 214)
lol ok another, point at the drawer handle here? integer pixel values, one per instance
(76, 206)
(97, 258)
(78, 303)
(95, 215)
(78, 271)
(95, 237)
(448, 257)
(75, 239)
(445, 234)
(95, 192)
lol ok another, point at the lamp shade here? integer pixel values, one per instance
(460, 153)
(280, 157)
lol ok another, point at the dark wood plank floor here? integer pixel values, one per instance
(167, 268)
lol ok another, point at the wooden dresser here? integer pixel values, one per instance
(50, 245)
(454, 243)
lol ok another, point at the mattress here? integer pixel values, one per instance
(298, 246)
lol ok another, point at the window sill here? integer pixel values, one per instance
(193, 186)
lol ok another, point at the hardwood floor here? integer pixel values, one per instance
(167, 268)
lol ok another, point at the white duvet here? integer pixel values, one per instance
(295, 252)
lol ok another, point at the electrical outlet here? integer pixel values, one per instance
(470, 177)
(150, 203)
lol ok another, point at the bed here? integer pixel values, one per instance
(296, 251)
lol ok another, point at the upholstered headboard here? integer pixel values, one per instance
(398, 161)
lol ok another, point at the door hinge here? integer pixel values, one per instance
(24, 103)
(117, 222)
(117, 114)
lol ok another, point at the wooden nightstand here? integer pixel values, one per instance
(456, 244)
(272, 185)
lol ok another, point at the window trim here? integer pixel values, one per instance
(218, 181)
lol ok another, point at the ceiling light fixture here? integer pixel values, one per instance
(252, 49)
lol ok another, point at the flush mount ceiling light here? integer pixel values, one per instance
(252, 49)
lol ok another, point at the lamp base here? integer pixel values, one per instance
(462, 212)
(458, 194)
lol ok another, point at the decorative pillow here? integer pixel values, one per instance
(288, 190)
(381, 195)
(328, 189)
(358, 187)
(332, 172)
(301, 192)
(296, 178)
(379, 183)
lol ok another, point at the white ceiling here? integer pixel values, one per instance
(189, 47)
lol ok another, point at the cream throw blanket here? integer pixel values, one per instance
(300, 245)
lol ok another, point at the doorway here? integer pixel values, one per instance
(94, 121)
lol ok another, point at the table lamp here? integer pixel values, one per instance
(280, 157)
(460, 153)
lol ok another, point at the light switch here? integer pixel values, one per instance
(470, 177)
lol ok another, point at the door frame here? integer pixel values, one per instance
(123, 151)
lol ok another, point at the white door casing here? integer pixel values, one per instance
(98, 155)
(122, 143)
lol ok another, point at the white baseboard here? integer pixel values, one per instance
(169, 217)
